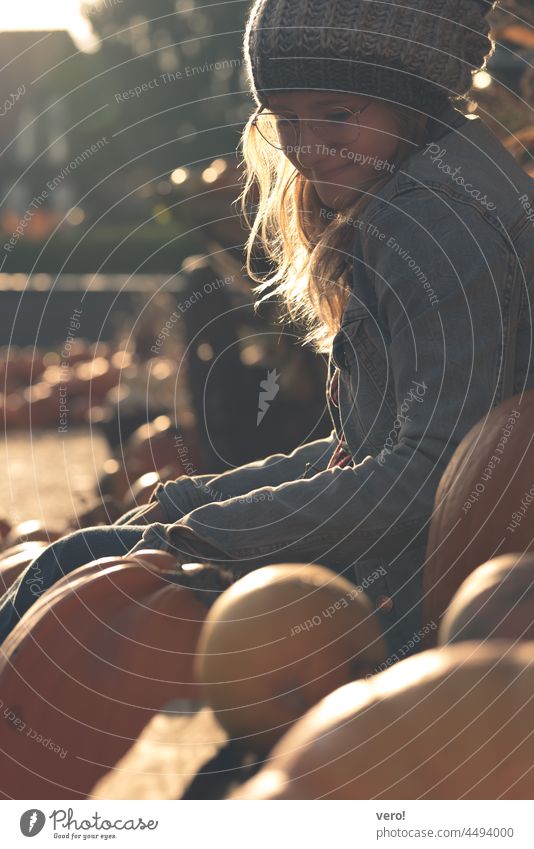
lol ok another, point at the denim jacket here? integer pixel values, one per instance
(436, 332)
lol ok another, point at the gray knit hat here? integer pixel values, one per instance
(412, 52)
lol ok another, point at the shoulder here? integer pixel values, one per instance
(465, 174)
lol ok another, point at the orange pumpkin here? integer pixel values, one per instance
(277, 641)
(482, 489)
(5, 527)
(157, 445)
(14, 560)
(140, 491)
(95, 377)
(87, 667)
(32, 531)
(495, 602)
(453, 723)
(104, 511)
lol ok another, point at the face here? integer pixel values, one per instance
(336, 169)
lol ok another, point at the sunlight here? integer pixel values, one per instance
(56, 14)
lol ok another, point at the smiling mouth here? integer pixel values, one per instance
(325, 178)
(330, 179)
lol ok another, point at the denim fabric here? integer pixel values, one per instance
(436, 332)
(60, 558)
(186, 493)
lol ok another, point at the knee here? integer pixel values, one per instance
(67, 552)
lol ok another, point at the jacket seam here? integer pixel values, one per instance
(442, 189)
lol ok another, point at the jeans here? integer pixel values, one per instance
(60, 558)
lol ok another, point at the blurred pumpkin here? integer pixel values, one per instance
(481, 489)
(5, 527)
(18, 366)
(94, 378)
(40, 407)
(113, 480)
(14, 410)
(32, 531)
(495, 602)
(88, 665)
(277, 641)
(140, 491)
(452, 723)
(156, 445)
(103, 511)
(14, 561)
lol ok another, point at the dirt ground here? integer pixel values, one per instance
(47, 475)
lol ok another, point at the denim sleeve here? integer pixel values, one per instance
(186, 493)
(445, 355)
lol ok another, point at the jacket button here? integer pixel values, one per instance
(384, 604)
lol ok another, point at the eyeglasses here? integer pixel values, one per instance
(340, 126)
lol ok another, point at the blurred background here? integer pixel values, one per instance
(130, 349)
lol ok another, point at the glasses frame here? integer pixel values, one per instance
(254, 123)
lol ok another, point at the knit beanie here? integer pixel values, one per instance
(416, 53)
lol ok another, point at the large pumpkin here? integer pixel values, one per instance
(86, 668)
(495, 601)
(453, 723)
(482, 503)
(277, 641)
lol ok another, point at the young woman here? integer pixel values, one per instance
(400, 242)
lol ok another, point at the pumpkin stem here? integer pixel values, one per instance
(206, 582)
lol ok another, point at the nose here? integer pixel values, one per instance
(308, 153)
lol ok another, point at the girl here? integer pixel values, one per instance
(399, 241)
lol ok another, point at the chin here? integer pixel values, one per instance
(337, 200)
(331, 194)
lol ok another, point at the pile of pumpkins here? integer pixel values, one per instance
(36, 382)
(289, 659)
(92, 380)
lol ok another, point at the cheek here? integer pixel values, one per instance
(384, 140)
(381, 143)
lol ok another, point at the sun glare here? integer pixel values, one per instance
(56, 14)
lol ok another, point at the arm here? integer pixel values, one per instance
(177, 498)
(384, 503)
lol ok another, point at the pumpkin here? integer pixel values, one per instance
(87, 667)
(14, 561)
(157, 445)
(277, 641)
(495, 601)
(32, 531)
(452, 723)
(485, 489)
(113, 480)
(94, 378)
(5, 527)
(105, 511)
(140, 491)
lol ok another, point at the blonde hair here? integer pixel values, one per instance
(310, 252)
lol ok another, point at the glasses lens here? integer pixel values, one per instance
(341, 126)
(278, 130)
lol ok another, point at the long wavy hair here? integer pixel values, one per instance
(308, 250)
